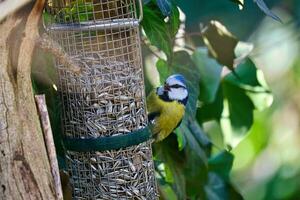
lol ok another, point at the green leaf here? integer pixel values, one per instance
(220, 42)
(261, 100)
(247, 75)
(262, 5)
(233, 193)
(174, 22)
(173, 160)
(199, 135)
(156, 29)
(161, 31)
(180, 139)
(192, 141)
(237, 116)
(221, 164)
(168, 192)
(211, 111)
(196, 175)
(218, 189)
(242, 95)
(210, 75)
(163, 70)
(183, 64)
(215, 188)
(253, 82)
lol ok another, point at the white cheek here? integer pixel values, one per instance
(160, 91)
(178, 94)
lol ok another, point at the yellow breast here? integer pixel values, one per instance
(171, 113)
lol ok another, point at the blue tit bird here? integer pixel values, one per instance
(166, 106)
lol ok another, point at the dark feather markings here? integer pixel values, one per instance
(152, 116)
(165, 97)
(184, 101)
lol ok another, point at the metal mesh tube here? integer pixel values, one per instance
(105, 98)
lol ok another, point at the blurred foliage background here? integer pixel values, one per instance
(265, 157)
(240, 135)
(266, 164)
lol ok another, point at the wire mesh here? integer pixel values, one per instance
(106, 97)
(74, 11)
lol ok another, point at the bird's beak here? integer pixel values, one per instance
(167, 87)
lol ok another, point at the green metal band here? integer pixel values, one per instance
(107, 143)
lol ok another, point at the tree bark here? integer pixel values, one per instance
(24, 166)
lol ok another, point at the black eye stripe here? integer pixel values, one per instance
(177, 86)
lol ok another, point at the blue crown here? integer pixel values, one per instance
(178, 77)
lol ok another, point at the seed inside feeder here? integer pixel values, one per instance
(104, 98)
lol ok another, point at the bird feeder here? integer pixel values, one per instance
(104, 117)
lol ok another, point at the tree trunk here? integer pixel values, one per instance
(24, 166)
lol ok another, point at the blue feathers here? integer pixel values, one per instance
(178, 77)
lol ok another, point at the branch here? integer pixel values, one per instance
(149, 47)
(48, 137)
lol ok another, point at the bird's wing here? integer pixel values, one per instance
(153, 107)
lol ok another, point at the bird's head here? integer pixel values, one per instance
(174, 89)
